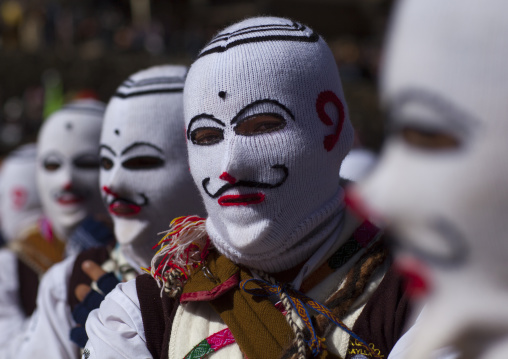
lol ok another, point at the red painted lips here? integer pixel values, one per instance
(69, 198)
(241, 199)
(123, 209)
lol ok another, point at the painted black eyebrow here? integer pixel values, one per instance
(52, 153)
(275, 102)
(107, 148)
(136, 144)
(203, 116)
(55, 154)
(451, 113)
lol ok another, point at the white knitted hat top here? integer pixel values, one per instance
(68, 165)
(19, 201)
(144, 169)
(267, 128)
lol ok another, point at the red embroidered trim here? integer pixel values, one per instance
(220, 339)
(216, 292)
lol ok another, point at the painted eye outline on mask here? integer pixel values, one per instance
(428, 122)
(52, 162)
(261, 112)
(252, 125)
(207, 136)
(428, 139)
(106, 163)
(142, 162)
(86, 161)
(213, 135)
(249, 121)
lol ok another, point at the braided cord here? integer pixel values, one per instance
(297, 303)
(290, 314)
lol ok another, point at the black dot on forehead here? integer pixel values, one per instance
(117, 132)
(68, 126)
(222, 94)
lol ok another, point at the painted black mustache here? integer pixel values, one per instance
(125, 200)
(250, 184)
(456, 245)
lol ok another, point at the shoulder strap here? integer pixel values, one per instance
(157, 314)
(28, 287)
(99, 255)
(382, 320)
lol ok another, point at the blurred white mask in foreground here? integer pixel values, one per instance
(68, 165)
(441, 183)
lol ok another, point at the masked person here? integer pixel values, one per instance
(67, 177)
(21, 209)
(441, 181)
(144, 176)
(145, 181)
(267, 128)
(68, 172)
(65, 174)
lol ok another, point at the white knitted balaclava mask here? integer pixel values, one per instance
(144, 169)
(267, 128)
(442, 178)
(68, 165)
(19, 201)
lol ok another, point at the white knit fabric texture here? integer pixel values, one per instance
(278, 67)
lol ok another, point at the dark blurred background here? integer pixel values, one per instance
(53, 51)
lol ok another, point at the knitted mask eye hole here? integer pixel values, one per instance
(259, 124)
(87, 162)
(429, 139)
(51, 164)
(106, 163)
(143, 163)
(207, 136)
